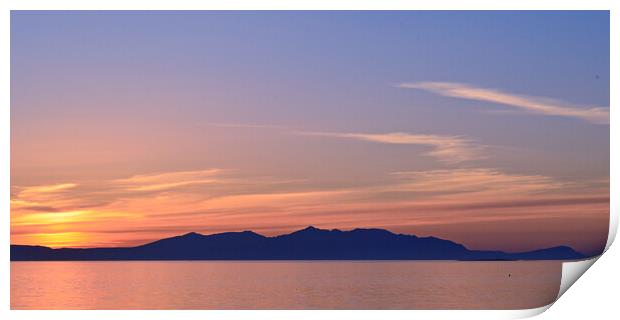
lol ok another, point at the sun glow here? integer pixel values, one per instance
(58, 239)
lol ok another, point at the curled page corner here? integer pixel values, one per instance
(528, 313)
(571, 271)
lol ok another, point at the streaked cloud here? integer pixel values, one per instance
(47, 189)
(538, 105)
(448, 149)
(42, 198)
(476, 181)
(168, 180)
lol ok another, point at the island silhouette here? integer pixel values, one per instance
(307, 244)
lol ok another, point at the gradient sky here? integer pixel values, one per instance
(487, 128)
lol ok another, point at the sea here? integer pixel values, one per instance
(224, 285)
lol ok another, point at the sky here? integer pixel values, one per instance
(490, 129)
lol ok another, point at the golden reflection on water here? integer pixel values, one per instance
(283, 285)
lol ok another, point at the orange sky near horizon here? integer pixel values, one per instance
(141, 208)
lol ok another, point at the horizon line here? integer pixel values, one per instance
(309, 227)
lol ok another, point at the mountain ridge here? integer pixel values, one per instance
(305, 244)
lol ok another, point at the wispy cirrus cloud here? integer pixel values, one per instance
(448, 149)
(168, 180)
(539, 105)
(38, 198)
(47, 189)
(492, 183)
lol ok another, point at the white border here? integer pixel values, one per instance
(309, 5)
(7, 5)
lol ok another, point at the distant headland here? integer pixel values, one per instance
(307, 244)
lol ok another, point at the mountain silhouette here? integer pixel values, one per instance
(307, 244)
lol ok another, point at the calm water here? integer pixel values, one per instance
(283, 285)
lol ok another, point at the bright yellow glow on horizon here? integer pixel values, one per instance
(59, 239)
